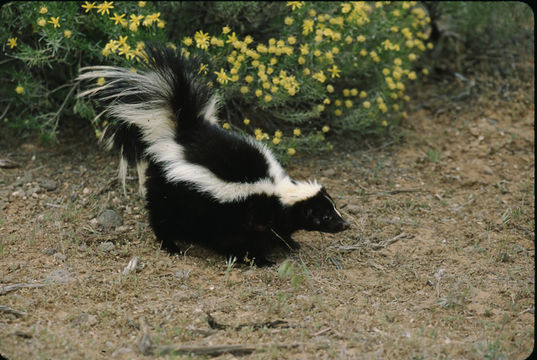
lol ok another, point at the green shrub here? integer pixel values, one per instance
(483, 23)
(339, 66)
(44, 44)
(296, 70)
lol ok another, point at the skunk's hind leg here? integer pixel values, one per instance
(169, 246)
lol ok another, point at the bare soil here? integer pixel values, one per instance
(439, 262)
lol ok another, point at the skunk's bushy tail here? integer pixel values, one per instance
(150, 106)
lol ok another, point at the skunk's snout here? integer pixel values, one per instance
(342, 225)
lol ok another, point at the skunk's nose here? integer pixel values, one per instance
(345, 225)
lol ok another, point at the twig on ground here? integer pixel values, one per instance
(146, 347)
(131, 266)
(144, 344)
(391, 192)
(8, 164)
(322, 331)
(217, 350)
(107, 185)
(388, 242)
(8, 310)
(8, 288)
(55, 205)
(269, 324)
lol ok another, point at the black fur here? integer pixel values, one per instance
(248, 226)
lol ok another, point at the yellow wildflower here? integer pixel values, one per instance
(231, 38)
(367, 104)
(88, 6)
(12, 42)
(296, 132)
(67, 33)
(345, 8)
(225, 30)
(412, 75)
(288, 21)
(226, 126)
(19, 90)
(291, 40)
(246, 121)
(135, 19)
(104, 8)
(141, 3)
(338, 112)
(360, 38)
(202, 40)
(187, 41)
(101, 81)
(384, 123)
(55, 21)
(276, 141)
(244, 89)
(117, 18)
(295, 4)
(320, 76)
(334, 71)
(354, 92)
(363, 94)
(268, 98)
(348, 104)
(122, 40)
(307, 26)
(222, 77)
(425, 71)
(43, 10)
(291, 151)
(41, 22)
(330, 88)
(325, 129)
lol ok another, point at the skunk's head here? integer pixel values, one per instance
(319, 213)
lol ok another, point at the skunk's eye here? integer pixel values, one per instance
(326, 217)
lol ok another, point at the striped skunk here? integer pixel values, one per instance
(202, 184)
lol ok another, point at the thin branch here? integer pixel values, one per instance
(8, 288)
(8, 310)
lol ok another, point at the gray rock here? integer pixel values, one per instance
(48, 184)
(61, 276)
(50, 251)
(353, 209)
(84, 318)
(60, 257)
(109, 219)
(329, 172)
(106, 246)
(126, 351)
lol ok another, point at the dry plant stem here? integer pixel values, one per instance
(8, 310)
(8, 288)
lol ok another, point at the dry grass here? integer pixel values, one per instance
(439, 262)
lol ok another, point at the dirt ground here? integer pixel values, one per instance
(439, 263)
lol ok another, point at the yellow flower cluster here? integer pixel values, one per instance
(320, 43)
(121, 47)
